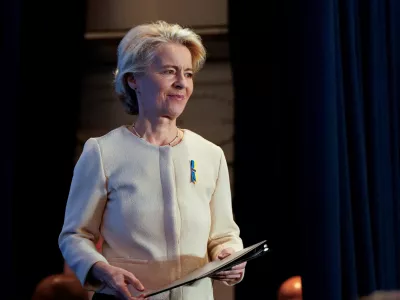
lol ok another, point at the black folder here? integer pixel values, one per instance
(216, 266)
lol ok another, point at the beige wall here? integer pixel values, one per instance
(104, 15)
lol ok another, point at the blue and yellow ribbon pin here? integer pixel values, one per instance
(193, 171)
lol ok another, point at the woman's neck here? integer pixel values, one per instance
(158, 132)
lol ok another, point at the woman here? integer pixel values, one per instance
(158, 195)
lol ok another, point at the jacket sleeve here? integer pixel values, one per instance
(224, 231)
(83, 214)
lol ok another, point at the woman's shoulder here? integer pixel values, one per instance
(110, 135)
(201, 142)
(105, 146)
(108, 139)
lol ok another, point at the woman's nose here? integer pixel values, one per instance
(180, 82)
(179, 85)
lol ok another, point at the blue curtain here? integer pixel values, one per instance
(351, 195)
(330, 74)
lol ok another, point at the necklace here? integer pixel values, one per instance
(169, 144)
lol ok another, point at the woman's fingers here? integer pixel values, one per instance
(134, 281)
(239, 266)
(229, 272)
(227, 275)
(123, 291)
(117, 279)
(225, 252)
(233, 276)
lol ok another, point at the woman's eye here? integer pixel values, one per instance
(169, 71)
(189, 75)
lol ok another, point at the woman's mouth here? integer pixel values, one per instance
(176, 96)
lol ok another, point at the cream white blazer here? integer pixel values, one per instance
(155, 220)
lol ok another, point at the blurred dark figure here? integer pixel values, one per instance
(60, 287)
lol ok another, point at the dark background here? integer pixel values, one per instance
(317, 168)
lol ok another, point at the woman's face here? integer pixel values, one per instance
(165, 88)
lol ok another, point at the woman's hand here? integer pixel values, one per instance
(233, 275)
(117, 279)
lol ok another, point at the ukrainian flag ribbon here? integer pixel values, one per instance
(193, 171)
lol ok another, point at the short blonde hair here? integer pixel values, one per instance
(137, 49)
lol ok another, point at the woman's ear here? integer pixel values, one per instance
(131, 81)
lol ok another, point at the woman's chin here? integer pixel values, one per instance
(173, 113)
